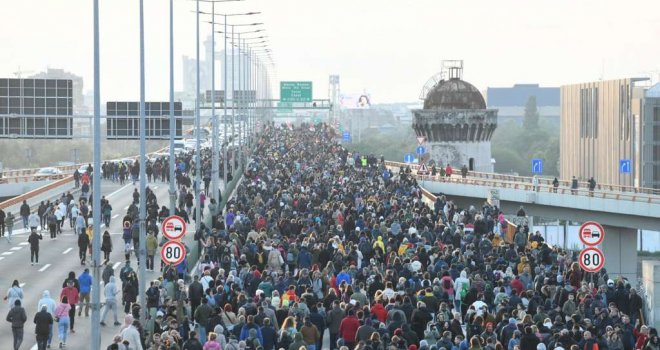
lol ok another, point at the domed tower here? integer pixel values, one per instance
(455, 121)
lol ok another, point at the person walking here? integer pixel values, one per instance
(25, 213)
(52, 224)
(34, 246)
(9, 223)
(110, 293)
(106, 246)
(574, 185)
(83, 243)
(85, 282)
(50, 305)
(14, 293)
(152, 246)
(2, 222)
(43, 321)
(33, 221)
(17, 318)
(62, 319)
(70, 292)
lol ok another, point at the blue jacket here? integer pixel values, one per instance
(343, 276)
(85, 281)
(245, 332)
(304, 258)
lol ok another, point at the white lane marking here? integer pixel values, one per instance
(116, 233)
(116, 265)
(126, 208)
(21, 285)
(2, 257)
(115, 216)
(155, 187)
(67, 251)
(117, 191)
(7, 253)
(44, 268)
(24, 243)
(16, 248)
(34, 347)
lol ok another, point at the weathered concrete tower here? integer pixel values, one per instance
(455, 121)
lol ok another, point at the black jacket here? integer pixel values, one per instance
(34, 240)
(42, 320)
(17, 317)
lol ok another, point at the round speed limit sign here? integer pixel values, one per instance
(591, 259)
(173, 253)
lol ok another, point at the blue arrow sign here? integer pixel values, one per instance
(346, 136)
(420, 150)
(408, 158)
(625, 166)
(537, 166)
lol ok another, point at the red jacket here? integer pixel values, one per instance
(517, 285)
(348, 328)
(71, 295)
(379, 310)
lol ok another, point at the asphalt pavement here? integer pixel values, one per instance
(56, 258)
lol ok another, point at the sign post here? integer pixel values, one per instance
(296, 91)
(173, 228)
(537, 166)
(591, 259)
(591, 233)
(173, 253)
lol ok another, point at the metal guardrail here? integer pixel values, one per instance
(514, 182)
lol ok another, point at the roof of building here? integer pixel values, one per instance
(454, 94)
(653, 91)
(519, 93)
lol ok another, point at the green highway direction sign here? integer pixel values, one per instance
(296, 91)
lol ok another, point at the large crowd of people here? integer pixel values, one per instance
(323, 249)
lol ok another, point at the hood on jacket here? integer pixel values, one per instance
(112, 279)
(45, 294)
(72, 275)
(463, 274)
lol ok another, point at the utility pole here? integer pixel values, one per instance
(96, 206)
(142, 251)
(224, 116)
(172, 161)
(215, 161)
(198, 158)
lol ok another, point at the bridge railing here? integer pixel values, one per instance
(508, 181)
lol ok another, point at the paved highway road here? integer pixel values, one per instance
(57, 258)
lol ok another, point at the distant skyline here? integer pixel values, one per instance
(386, 48)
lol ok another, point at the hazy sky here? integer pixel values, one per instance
(387, 47)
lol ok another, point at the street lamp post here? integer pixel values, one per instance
(143, 181)
(172, 162)
(96, 206)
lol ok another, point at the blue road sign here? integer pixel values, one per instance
(408, 158)
(537, 166)
(420, 150)
(625, 166)
(346, 136)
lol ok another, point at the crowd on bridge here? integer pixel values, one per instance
(320, 241)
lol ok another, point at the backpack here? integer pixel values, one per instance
(464, 290)
(446, 284)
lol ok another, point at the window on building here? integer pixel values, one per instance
(589, 113)
(656, 114)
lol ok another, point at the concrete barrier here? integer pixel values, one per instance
(36, 192)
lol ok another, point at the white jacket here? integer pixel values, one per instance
(131, 334)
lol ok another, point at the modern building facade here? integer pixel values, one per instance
(601, 131)
(651, 138)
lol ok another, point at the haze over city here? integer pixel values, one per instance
(386, 48)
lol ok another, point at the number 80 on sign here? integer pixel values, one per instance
(173, 253)
(591, 259)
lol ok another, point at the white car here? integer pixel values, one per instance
(46, 173)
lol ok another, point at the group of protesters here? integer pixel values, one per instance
(317, 240)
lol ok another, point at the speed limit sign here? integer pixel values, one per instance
(173, 252)
(591, 259)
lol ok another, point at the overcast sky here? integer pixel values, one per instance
(388, 48)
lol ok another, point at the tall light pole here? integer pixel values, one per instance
(142, 252)
(198, 158)
(172, 161)
(96, 205)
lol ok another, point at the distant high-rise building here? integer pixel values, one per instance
(510, 101)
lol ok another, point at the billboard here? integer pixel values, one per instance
(355, 101)
(123, 120)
